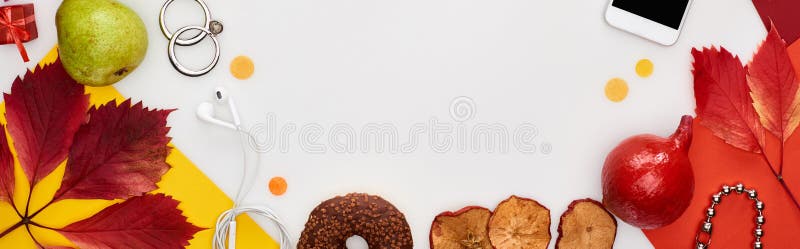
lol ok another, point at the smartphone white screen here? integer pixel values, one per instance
(666, 12)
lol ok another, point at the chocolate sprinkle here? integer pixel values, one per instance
(376, 220)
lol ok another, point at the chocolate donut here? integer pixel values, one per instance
(376, 220)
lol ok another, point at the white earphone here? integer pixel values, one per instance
(225, 229)
(205, 111)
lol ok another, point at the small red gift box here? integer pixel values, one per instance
(18, 25)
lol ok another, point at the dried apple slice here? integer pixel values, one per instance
(463, 229)
(586, 224)
(520, 223)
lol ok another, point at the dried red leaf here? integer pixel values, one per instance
(119, 153)
(723, 99)
(772, 78)
(6, 168)
(43, 111)
(148, 221)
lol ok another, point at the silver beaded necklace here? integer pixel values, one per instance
(715, 200)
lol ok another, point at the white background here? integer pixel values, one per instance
(402, 62)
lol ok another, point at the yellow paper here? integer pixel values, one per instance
(201, 200)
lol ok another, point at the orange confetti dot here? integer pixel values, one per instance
(616, 89)
(277, 185)
(242, 67)
(644, 68)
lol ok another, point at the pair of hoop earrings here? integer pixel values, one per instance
(211, 29)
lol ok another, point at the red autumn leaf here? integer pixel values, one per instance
(116, 152)
(119, 153)
(723, 99)
(43, 111)
(149, 221)
(772, 78)
(6, 168)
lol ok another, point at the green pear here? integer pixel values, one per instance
(99, 41)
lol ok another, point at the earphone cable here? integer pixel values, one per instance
(242, 183)
(226, 222)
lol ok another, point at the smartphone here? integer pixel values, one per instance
(656, 20)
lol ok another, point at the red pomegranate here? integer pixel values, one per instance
(647, 180)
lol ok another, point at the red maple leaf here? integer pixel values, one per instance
(115, 151)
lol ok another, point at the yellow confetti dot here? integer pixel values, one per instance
(644, 68)
(242, 67)
(616, 89)
(278, 185)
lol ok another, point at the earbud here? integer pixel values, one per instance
(222, 96)
(205, 111)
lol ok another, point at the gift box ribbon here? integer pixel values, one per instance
(16, 30)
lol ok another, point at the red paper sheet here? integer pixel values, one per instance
(716, 163)
(785, 15)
